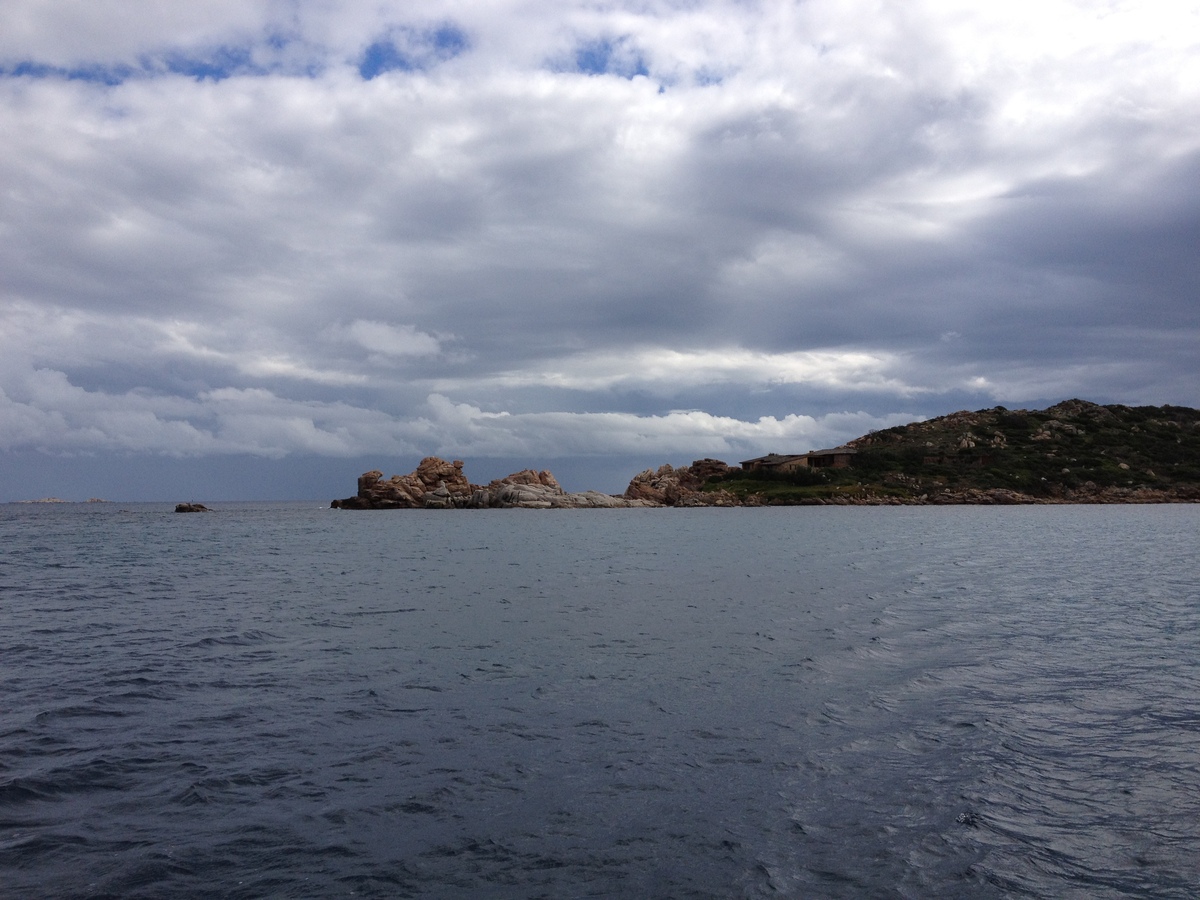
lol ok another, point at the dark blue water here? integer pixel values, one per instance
(288, 701)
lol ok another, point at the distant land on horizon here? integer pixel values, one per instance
(1072, 452)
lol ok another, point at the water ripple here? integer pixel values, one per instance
(286, 701)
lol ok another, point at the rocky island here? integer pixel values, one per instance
(1073, 452)
(438, 484)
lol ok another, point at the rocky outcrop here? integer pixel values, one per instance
(527, 489)
(191, 507)
(437, 484)
(1072, 452)
(434, 484)
(669, 486)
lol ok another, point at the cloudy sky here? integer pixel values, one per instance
(252, 247)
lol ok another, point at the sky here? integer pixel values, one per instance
(251, 248)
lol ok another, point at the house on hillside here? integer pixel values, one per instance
(836, 458)
(775, 462)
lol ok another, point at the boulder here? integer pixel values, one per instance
(532, 478)
(434, 472)
(668, 486)
(506, 494)
(435, 484)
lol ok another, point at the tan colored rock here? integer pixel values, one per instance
(524, 494)
(643, 487)
(669, 486)
(438, 484)
(704, 469)
(530, 477)
(433, 471)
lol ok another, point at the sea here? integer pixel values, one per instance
(283, 700)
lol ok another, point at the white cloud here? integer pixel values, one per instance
(260, 423)
(660, 368)
(67, 32)
(465, 430)
(393, 340)
(55, 415)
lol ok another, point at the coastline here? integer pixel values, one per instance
(1075, 452)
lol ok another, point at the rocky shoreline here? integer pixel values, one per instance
(1074, 452)
(1002, 497)
(438, 484)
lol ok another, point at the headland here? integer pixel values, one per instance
(1072, 452)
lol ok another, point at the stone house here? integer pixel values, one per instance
(836, 458)
(775, 462)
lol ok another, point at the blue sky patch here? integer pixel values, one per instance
(382, 56)
(219, 65)
(96, 73)
(449, 41)
(406, 50)
(608, 57)
(216, 64)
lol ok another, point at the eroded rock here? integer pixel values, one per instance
(437, 484)
(669, 486)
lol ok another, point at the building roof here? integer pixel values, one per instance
(772, 459)
(778, 459)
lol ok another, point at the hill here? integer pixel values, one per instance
(1073, 452)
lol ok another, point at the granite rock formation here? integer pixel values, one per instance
(437, 484)
(1072, 452)
(670, 486)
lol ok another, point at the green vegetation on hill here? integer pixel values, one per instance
(1074, 451)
